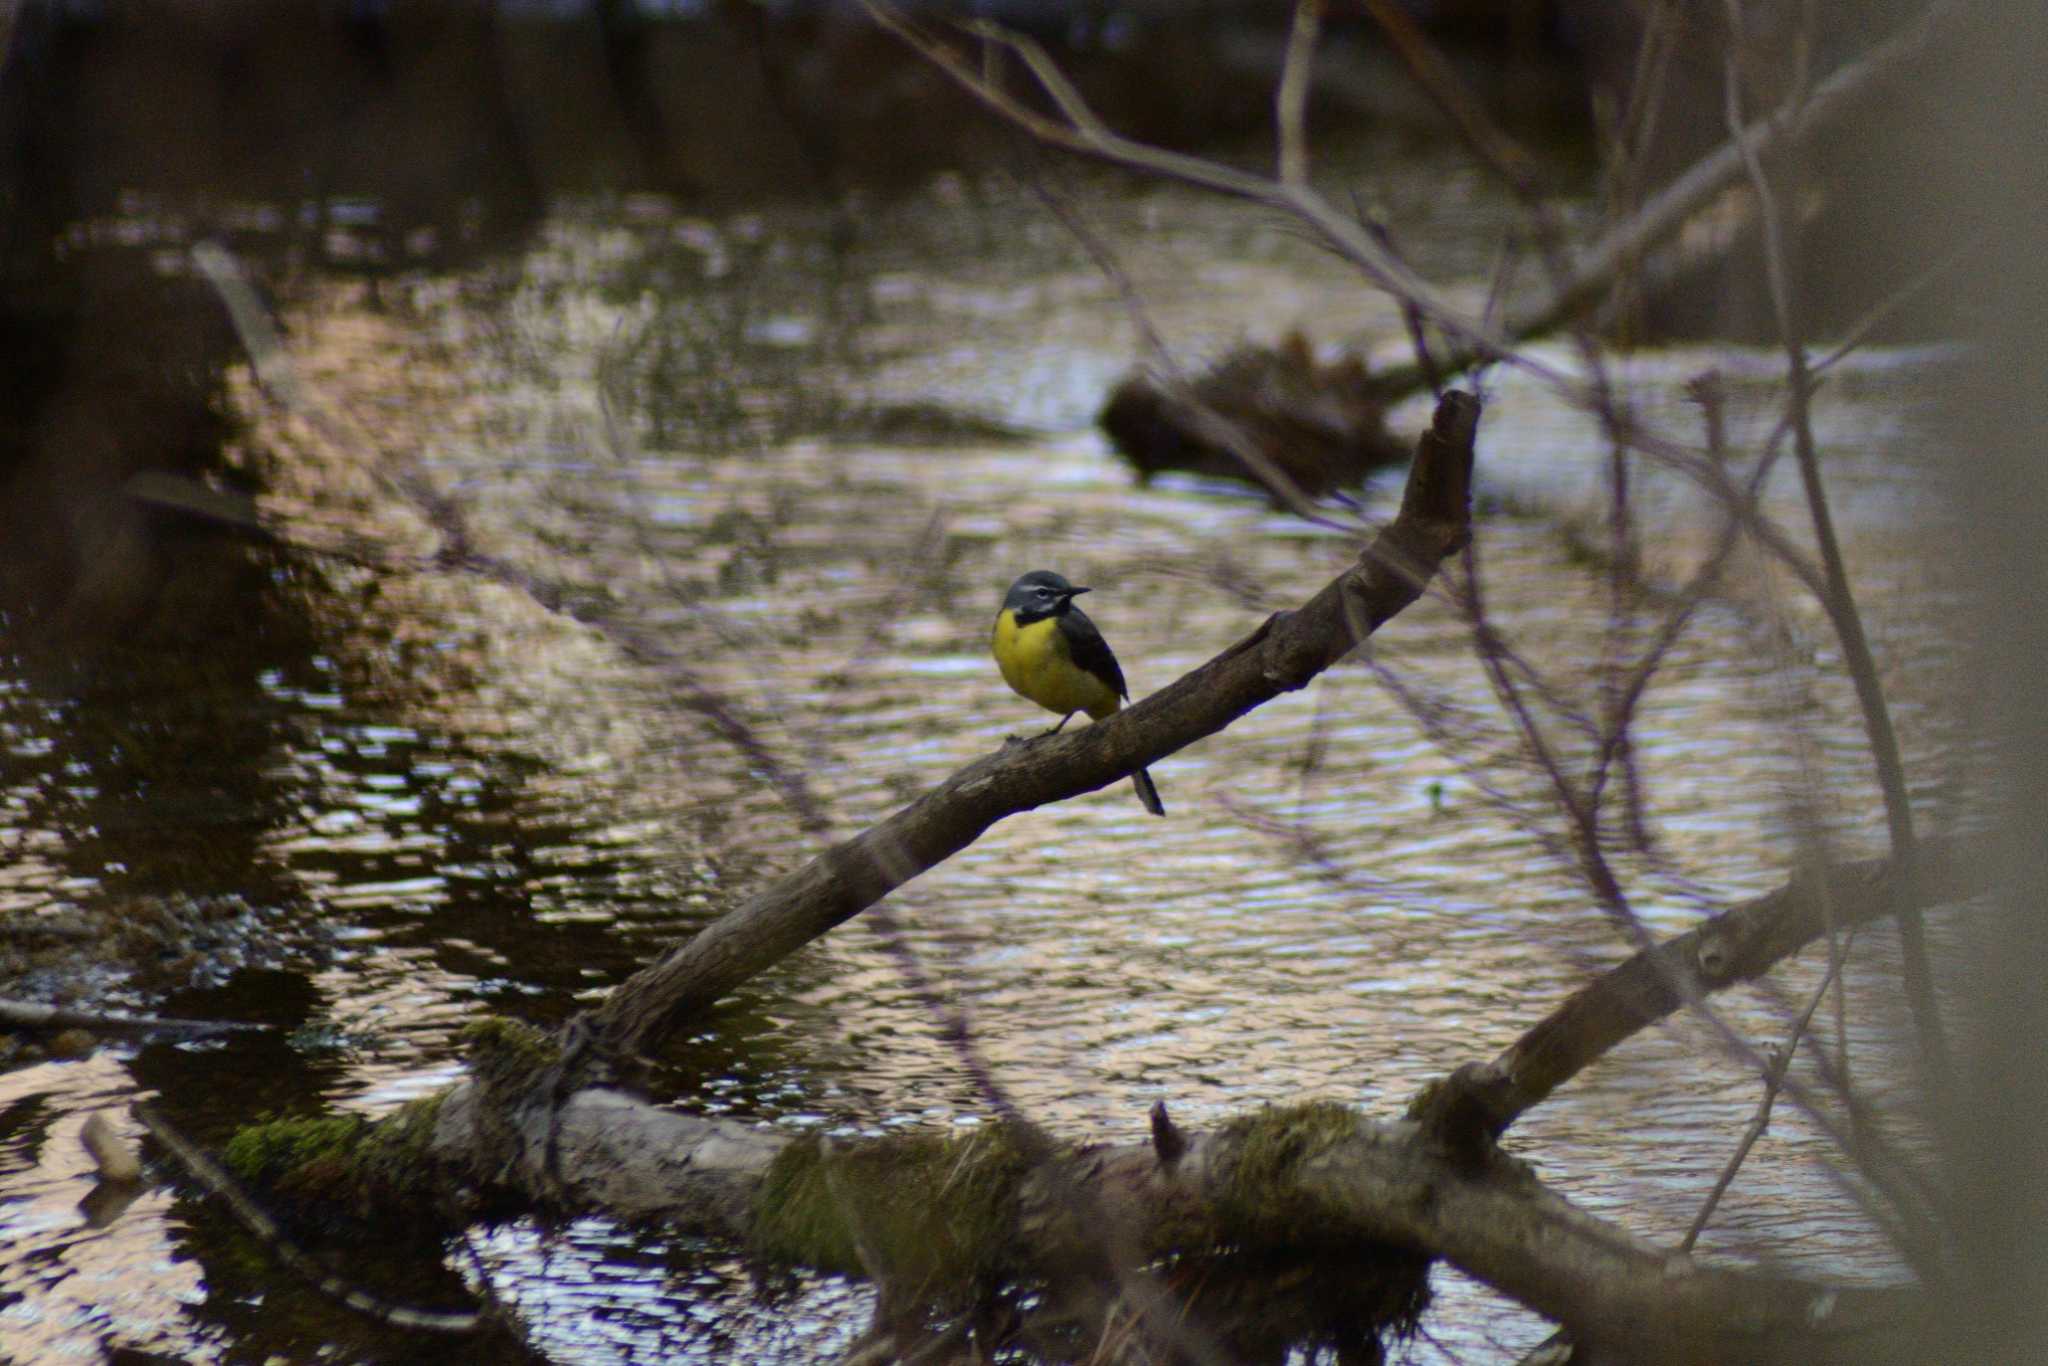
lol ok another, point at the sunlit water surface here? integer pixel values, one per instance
(463, 803)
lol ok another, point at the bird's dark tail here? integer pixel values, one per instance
(1147, 793)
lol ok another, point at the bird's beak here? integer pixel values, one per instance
(1077, 592)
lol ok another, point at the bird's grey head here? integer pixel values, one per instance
(1041, 593)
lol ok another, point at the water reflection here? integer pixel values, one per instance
(469, 803)
(593, 1293)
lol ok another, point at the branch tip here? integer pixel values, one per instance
(1167, 1139)
(1439, 489)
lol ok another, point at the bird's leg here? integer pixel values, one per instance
(1062, 725)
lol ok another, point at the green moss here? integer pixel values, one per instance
(930, 1215)
(495, 1041)
(400, 1146)
(1263, 1195)
(796, 1218)
(504, 1055)
(347, 1175)
(269, 1153)
(352, 1177)
(1381, 1289)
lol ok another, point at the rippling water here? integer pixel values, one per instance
(445, 800)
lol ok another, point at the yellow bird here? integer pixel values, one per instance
(1052, 654)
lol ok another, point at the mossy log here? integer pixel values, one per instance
(941, 1219)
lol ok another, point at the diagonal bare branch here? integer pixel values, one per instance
(1742, 943)
(1283, 654)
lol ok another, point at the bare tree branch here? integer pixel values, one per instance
(1742, 943)
(1082, 132)
(35, 1015)
(1283, 654)
(1598, 266)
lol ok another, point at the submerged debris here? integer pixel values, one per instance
(1322, 426)
(113, 1155)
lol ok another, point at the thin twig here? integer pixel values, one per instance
(1411, 316)
(1774, 1080)
(1047, 71)
(1673, 206)
(1472, 340)
(1838, 600)
(1614, 740)
(35, 1015)
(1290, 99)
(1433, 73)
(1082, 131)
(1860, 330)
(1501, 153)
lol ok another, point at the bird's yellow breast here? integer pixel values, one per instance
(1036, 663)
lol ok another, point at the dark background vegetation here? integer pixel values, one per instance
(372, 137)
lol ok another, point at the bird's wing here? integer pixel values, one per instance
(1090, 650)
